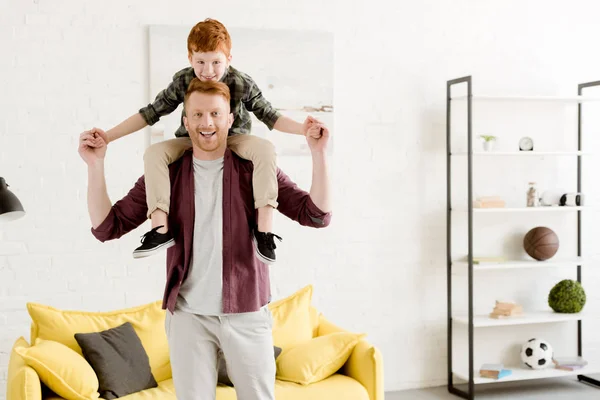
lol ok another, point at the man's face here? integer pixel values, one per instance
(208, 121)
(209, 66)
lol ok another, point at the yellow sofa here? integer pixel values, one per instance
(360, 378)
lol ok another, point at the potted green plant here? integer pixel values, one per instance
(488, 142)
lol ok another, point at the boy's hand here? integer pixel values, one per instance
(308, 122)
(92, 146)
(317, 137)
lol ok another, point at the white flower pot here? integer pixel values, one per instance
(488, 145)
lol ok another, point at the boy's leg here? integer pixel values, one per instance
(264, 181)
(158, 193)
(247, 344)
(193, 346)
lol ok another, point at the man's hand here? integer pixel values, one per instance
(317, 137)
(308, 123)
(92, 145)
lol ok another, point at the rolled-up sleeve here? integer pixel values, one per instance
(125, 215)
(169, 99)
(263, 110)
(297, 205)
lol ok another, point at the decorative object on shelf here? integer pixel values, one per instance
(489, 202)
(567, 296)
(10, 206)
(569, 363)
(537, 354)
(526, 144)
(494, 371)
(541, 243)
(504, 309)
(488, 142)
(551, 197)
(571, 199)
(533, 199)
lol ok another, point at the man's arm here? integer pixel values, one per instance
(125, 215)
(99, 204)
(109, 221)
(320, 191)
(298, 205)
(312, 209)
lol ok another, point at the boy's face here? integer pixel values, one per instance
(208, 121)
(209, 66)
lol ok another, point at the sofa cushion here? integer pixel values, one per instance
(335, 387)
(119, 360)
(61, 369)
(148, 321)
(316, 359)
(292, 323)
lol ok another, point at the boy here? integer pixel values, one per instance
(209, 47)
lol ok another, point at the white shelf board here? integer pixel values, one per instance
(523, 373)
(528, 318)
(522, 209)
(553, 99)
(522, 153)
(521, 264)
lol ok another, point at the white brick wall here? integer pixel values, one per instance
(380, 267)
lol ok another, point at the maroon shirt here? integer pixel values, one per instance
(246, 285)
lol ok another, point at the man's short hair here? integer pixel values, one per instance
(208, 87)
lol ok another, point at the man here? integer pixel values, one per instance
(216, 290)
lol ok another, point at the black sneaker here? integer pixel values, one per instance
(153, 242)
(264, 244)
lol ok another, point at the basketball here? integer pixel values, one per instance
(541, 243)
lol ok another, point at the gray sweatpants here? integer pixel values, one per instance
(246, 342)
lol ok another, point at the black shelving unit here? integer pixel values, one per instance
(470, 393)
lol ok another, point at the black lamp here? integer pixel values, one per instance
(10, 206)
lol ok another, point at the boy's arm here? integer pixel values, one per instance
(165, 103)
(263, 110)
(130, 125)
(288, 125)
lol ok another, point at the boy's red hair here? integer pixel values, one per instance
(209, 35)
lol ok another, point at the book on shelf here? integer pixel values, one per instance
(494, 371)
(569, 363)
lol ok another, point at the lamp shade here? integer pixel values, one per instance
(10, 206)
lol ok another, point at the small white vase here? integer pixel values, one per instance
(488, 145)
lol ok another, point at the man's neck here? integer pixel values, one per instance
(201, 155)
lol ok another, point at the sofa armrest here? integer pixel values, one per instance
(23, 384)
(364, 365)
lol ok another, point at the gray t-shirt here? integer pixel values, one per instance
(202, 290)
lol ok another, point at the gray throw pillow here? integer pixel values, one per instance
(119, 360)
(222, 366)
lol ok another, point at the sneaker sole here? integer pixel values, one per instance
(262, 258)
(148, 253)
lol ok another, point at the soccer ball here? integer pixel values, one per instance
(537, 354)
